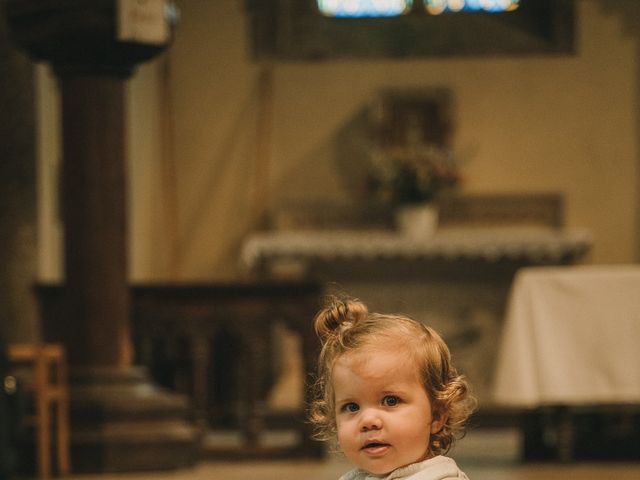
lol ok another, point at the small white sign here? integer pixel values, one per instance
(142, 21)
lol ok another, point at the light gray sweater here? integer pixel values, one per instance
(436, 468)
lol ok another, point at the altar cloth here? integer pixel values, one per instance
(571, 337)
(539, 244)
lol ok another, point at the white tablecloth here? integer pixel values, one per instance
(572, 337)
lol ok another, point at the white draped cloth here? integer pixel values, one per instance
(571, 337)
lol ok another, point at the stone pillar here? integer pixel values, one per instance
(94, 209)
(78, 39)
(115, 424)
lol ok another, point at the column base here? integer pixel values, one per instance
(121, 422)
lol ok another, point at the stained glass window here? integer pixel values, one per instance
(364, 8)
(393, 8)
(436, 7)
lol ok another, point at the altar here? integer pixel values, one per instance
(456, 280)
(275, 251)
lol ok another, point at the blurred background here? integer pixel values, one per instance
(266, 156)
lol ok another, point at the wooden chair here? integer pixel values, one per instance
(50, 389)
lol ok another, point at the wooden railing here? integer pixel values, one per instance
(213, 342)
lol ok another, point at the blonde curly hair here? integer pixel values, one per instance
(346, 325)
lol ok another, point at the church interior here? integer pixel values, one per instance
(183, 184)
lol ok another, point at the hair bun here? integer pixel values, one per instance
(338, 313)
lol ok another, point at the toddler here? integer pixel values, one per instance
(387, 390)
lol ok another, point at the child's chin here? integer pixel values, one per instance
(379, 470)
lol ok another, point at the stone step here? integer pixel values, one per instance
(121, 421)
(119, 396)
(136, 432)
(146, 402)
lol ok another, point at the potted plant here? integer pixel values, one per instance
(411, 178)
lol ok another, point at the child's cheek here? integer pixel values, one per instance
(343, 435)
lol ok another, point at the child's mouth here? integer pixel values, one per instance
(375, 447)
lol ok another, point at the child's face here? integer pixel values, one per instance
(383, 413)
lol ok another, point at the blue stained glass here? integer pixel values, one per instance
(436, 7)
(364, 8)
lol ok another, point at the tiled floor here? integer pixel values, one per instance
(483, 456)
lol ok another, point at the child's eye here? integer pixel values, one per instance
(390, 401)
(350, 407)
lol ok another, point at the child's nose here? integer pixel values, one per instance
(370, 420)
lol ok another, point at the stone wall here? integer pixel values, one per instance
(18, 317)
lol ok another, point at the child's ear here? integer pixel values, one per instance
(438, 421)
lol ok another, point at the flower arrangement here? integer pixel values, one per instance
(415, 174)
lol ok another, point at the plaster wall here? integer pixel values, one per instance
(534, 123)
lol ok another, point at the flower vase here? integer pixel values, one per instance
(417, 221)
